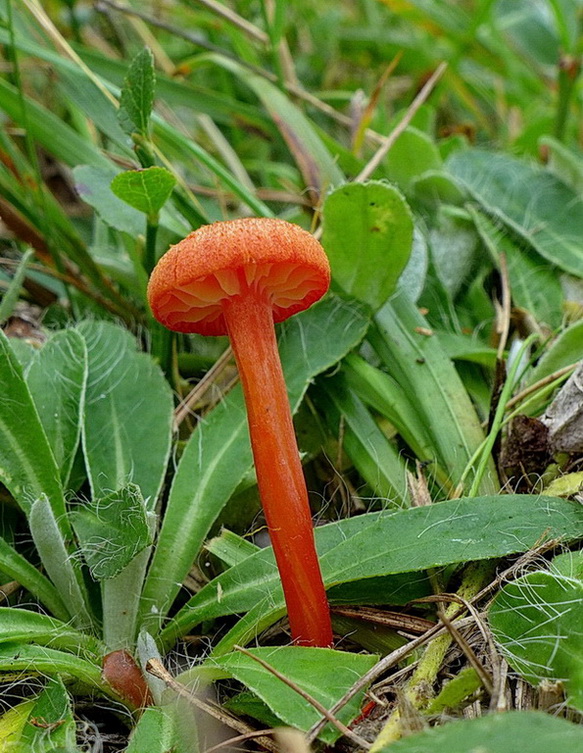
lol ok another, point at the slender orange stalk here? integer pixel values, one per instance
(280, 478)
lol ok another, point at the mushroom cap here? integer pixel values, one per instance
(271, 258)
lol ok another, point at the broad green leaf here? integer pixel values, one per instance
(247, 703)
(453, 246)
(56, 378)
(461, 347)
(368, 233)
(218, 455)
(569, 564)
(565, 486)
(93, 184)
(381, 544)
(537, 621)
(24, 626)
(27, 465)
(153, 733)
(565, 163)
(412, 155)
(12, 723)
(415, 359)
(376, 459)
(128, 414)
(322, 672)
(145, 190)
(51, 725)
(30, 659)
(534, 284)
(112, 530)
(541, 210)
(530, 27)
(412, 278)
(565, 350)
(231, 548)
(137, 94)
(62, 569)
(534, 731)
(20, 569)
(435, 187)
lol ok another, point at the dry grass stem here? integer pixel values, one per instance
(156, 668)
(200, 389)
(420, 99)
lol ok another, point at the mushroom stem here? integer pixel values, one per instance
(282, 487)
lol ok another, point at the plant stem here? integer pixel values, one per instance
(280, 478)
(418, 690)
(569, 70)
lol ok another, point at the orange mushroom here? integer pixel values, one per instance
(238, 277)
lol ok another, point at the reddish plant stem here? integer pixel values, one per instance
(280, 478)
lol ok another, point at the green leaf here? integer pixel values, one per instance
(218, 455)
(569, 564)
(145, 190)
(56, 378)
(80, 91)
(381, 544)
(534, 284)
(565, 163)
(368, 234)
(128, 414)
(112, 530)
(51, 725)
(377, 460)
(455, 691)
(30, 659)
(565, 350)
(461, 347)
(419, 365)
(322, 672)
(49, 130)
(453, 246)
(24, 626)
(27, 465)
(381, 392)
(534, 731)
(412, 278)
(63, 570)
(435, 187)
(537, 622)
(137, 94)
(12, 723)
(412, 155)
(153, 733)
(93, 184)
(20, 569)
(540, 209)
